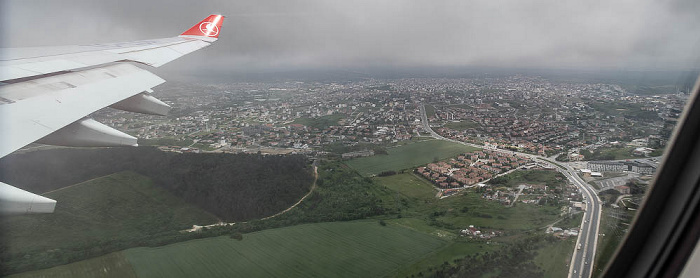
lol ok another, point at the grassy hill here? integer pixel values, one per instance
(419, 238)
(234, 187)
(337, 249)
(101, 216)
(408, 156)
(95, 217)
(110, 265)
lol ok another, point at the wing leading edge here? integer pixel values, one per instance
(46, 94)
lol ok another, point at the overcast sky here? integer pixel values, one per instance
(288, 34)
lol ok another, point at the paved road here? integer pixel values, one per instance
(582, 259)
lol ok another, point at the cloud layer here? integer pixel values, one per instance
(284, 35)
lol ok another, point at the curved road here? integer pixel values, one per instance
(582, 259)
(313, 187)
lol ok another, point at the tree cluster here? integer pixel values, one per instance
(234, 187)
(515, 260)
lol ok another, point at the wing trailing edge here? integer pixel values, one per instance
(17, 201)
(47, 92)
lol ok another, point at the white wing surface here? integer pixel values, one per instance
(47, 92)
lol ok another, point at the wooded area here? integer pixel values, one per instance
(235, 187)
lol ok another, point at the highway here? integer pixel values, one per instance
(582, 259)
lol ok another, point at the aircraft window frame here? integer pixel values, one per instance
(667, 227)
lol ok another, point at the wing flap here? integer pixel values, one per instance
(45, 93)
(10, 72)
(17, 201)
(43, 106)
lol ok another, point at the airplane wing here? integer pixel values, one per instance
(47, 92)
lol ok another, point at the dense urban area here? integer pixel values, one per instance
(528, 114)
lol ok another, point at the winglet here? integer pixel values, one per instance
(209, 27)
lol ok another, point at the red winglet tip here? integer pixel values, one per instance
(209, 27)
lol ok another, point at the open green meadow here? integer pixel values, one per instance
(418, 234)
(456, 250)
(484, 213)
(320, 122)
(554, 257)
(613, 225)
(611, 153)
(337, 249)
(546, 177)
(616, 153)
(110, 265)
(409, 185)
(460, 211)
(462, 125)
(430, 111)
(408, 156)
(94, 217)
(420, 210)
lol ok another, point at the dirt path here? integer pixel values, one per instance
(521, 187)
(75, 184)
(313, 187)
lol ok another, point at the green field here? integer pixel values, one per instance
(95, 217)
(612, 229)
(337, 249)
(320, 122)
(454, 251)
(460, 211)
(421, 240)
(110, 265)
(422, 211)
(408, 156)
(409, 185)
(462, 125)
(610, 154)
(629, 110)
(554, 257)
(430, 111)
(549, 178)
(484, 213)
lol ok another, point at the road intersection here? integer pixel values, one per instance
(582, 260)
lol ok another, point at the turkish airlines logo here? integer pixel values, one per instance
(209, 29)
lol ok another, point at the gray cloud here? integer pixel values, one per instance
(283, 34)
